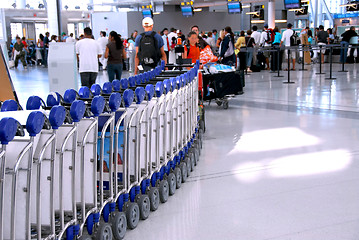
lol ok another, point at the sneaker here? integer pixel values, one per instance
(248, 70)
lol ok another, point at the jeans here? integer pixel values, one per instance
(114, 69)
(249, 57)
(88, 78)
(132, 57)
(344, 51)
(21, 57)
(44, 59)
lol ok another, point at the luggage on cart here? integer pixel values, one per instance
(222, 84)
(219, 86)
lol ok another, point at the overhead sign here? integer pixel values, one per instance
(346, 15)
(346, 21)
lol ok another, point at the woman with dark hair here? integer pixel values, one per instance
(226, 52)
(40, 45)
(241, 45)
(277, 55)
(115, 52)
(331, 35)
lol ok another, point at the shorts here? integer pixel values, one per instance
(322, 44)
(266, 52)
(293, 54)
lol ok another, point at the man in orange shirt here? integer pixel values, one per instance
(192, 50)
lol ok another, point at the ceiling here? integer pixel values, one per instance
(202, 3)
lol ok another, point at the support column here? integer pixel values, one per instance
(20, 4)
(315, 14)
(54, 16)
(320, 14)
(271, 14)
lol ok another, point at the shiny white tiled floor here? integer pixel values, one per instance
(281, 163)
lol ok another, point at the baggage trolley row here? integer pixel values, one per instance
(91, 164)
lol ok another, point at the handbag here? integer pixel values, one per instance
(11, 63)
(230, 50)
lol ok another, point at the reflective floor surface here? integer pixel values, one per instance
(281, 163)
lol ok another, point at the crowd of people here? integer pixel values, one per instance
(250, 50)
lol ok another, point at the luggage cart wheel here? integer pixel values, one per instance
(145, 206)
(132, 215)
(219, 103)
(189, 165)
(197, 146)
(164, 191)
(119, 225)
(200, 138)
(225, 104)
(172, 183)
(104, 231)
(196, 155)
(183, 167)
(202, 126)
(85, 237)
(190, 158)
(193, 161)
(178, 175)
(154, 195)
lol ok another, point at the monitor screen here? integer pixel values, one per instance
(187, 11)
(234, 7)
(288, 4)
(147, 13)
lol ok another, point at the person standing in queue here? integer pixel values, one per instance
(103, 41)
(115, 53)
(46, 49)
(166, 41)
(278, 53)
(201, 41)
(241, 46)
(226, 51)
(88, 52)
(192, 49)
(149, 48)
(322, 40)
(346, 36)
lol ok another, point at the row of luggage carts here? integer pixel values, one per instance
(91, 164)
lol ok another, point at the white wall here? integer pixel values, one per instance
(109, 21)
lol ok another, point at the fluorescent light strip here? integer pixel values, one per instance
(197, 10)
(348, 5)
(295, 9)
(156, 13)
(257, 21)
(280, 21)
(246, 6)
(252, 13)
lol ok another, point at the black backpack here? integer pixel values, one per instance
(294, 39)
(148, 53)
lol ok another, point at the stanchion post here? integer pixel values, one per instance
(343, 63)
(331, 65)
(320, 60)
(288, 81)
(303, 69)
(278, 62)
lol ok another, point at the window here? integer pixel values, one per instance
(16, 30)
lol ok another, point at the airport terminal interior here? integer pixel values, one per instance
(277, 143)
